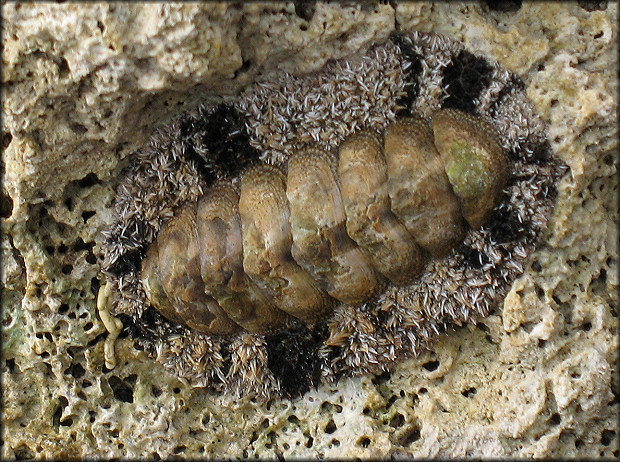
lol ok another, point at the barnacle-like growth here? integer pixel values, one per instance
(330, 224)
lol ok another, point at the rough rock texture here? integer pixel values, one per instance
(84, 84)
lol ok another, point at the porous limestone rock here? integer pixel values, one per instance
(84, 85)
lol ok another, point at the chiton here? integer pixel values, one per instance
(333, 223)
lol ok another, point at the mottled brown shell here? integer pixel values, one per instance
(321, 244)
(371, 223)
(267, 243)
(421, 195)
(221, 259)
(174, 261)
(331, 229)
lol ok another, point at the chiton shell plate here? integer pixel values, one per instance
(200, 152)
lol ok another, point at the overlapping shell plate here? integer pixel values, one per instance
(412, 75)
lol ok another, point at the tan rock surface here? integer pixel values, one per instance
(84, 84)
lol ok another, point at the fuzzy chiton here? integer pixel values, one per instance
(333, 223)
